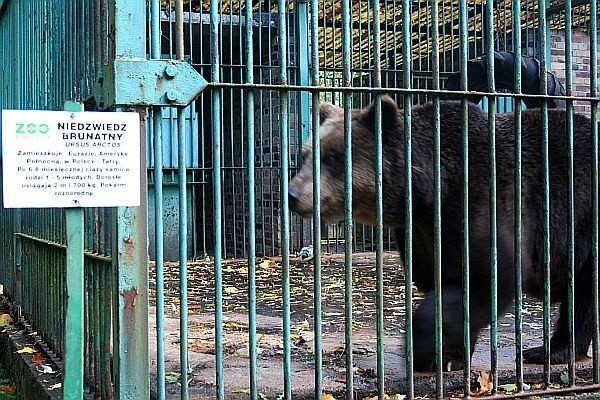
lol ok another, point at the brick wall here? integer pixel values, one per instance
(581, 64)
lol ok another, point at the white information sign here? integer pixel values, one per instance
(70, 159)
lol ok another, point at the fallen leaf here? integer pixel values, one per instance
(5, 319)
(38, 358)
(8, 389)
(26, 350)
(172, 377)
(55, 386)
(508, 388)
(486, 384)
(327, 396)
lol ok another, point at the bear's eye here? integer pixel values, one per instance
(330, 160)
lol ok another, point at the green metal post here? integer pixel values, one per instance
(75, 294)
(215, 59)
(127, 24)
(407, 84)
(489, 42)
(544, 56)
(463, 57)
(378, 234)
(158, 216)
(348, 225)
(517, 185)
(317, 289)
(437, 190)
(251, 160)
(594, 93)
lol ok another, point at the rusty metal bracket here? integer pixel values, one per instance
(135, 82)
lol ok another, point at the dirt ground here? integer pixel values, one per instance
(269, 320)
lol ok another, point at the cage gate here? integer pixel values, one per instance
(266, 303)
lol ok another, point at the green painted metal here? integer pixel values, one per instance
(284, 138)
(571, 195)
(489, 49)
(595, 179)
(217, 198)
(348, 224)
(379, 244)
(251, 164)
(155, 82)
(408, 102)
(437, 203)
(317, 287)
(155, 33)
(464, 120)
(130, 294)
(518, 200)
(74, 325)
(543, 56)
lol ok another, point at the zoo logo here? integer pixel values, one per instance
(31, 128)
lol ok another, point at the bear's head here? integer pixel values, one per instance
(332, 156)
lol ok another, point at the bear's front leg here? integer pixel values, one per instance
(452, 331)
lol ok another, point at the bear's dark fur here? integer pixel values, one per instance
(332, 200)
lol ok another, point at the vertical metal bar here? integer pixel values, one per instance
(285, 214)
(463, 57)
(407, 75)
(571, 200)
(75, 294)
(489, 44)
(437, 190)
(347, 103)
(378, 233)
(183, 217)
(543, 56)
(251, 160)
(516, 29)
(317, 289)
(155, 33)
(127, 22)
(215, 66)
(595, 178)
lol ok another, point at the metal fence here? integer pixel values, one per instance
(219, 172)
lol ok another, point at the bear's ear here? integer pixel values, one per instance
(327, 111)
(389, 113)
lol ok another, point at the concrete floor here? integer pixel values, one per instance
(270, 360)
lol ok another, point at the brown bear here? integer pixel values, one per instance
(363, 203)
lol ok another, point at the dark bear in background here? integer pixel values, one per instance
(363, 203)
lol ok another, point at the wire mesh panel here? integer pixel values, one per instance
(52, 51)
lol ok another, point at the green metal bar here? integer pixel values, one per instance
(127, 24)
(216, 176)
(463, 58)
(437, 190)
(406, 77)
(378, 233)
(518, 196)
(348, 225)
(317, 289)
(285, 213)
(75, 294)
(155, 45)
(543, 57)
(489, 42)
(251, 160)
(595, 178)
(571, 199)
(183, 217)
